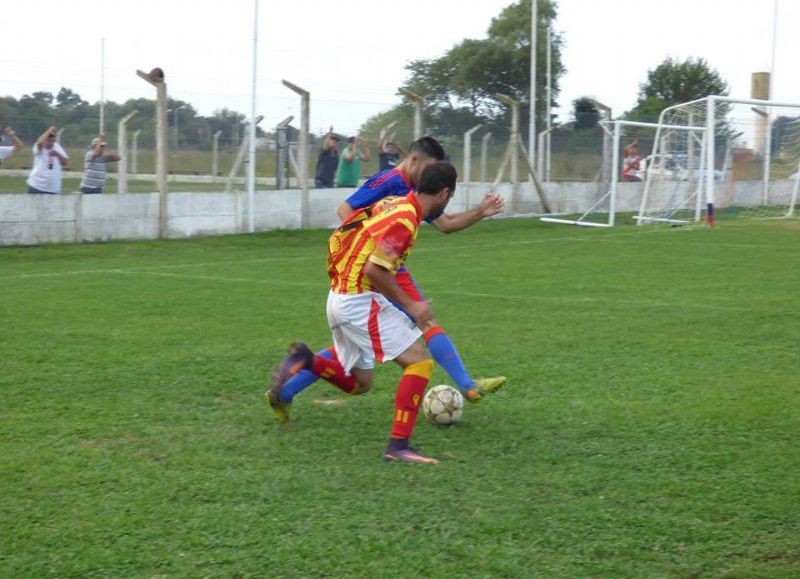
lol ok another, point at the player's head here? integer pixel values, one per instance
(422, 153)
(438, 181)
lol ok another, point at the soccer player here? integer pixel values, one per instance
(399, 181)
(364, 254)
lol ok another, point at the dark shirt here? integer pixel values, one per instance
(388, 161)
(326, 167)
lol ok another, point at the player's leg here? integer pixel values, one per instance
(300, 358)
(303, 379)
(445, 354)
(417, 371)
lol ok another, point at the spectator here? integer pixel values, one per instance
(48, 160)
(328, 160)
(94, 165)
(388, 153)
(349, 171)
(631, 162)
(6, 150)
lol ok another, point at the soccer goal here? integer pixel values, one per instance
(725, 158)
(626, 145)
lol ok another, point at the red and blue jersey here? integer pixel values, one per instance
(388, 183)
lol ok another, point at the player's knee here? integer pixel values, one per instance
(362, 388)
(423, 368)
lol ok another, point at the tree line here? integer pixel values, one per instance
(31, 114)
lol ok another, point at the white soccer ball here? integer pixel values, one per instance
(443, 405)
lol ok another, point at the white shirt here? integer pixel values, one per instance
(46, 172)
(5, 152)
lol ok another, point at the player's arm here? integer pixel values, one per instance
(491, 204)
(112, 158)
(344, 210)
(383, 281)
(18, 145)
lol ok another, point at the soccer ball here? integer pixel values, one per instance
(443, 405)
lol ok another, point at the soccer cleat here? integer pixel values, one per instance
(483, 386)
(408, 454)
(300, 357)
(279, 407)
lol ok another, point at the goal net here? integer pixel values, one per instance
(725, 158)
(617, 188)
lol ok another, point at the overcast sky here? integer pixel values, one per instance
(351, 54)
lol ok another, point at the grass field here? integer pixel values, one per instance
(650, 426)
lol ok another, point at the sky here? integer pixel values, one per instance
(351, 54)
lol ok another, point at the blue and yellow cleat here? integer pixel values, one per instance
(300, 357)
(482, 387)
(279, 407)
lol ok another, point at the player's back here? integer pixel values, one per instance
(387, 228)
(388, 183)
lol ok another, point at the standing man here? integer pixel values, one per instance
(94, 166)
(364, 254)
(422, 154)
(349, 170)
(388, 153)
(5, 150)
(48, 160)
(328, 161)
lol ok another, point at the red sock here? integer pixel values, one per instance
(332, 371)
(409, 395)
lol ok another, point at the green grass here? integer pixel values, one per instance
(649, 427)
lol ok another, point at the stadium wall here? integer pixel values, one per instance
(74, 218)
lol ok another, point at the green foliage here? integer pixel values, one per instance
(460, 87)
(673, 82)
(585, 114)
(32, 114)
(648, 428)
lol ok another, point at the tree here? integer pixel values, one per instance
(459, 88)
(585, 113)
(672, 83)
(67, 100)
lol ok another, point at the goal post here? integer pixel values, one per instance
(724, 158)
(610, 197)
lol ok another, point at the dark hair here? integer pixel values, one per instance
(427, 147)
(436, 177)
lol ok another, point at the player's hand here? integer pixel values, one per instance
(491, 204)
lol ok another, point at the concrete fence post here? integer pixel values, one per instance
(466, 168)
(484, 155)
(135, 152)
(282, 153)
(302, 161)
(215, 156)
(419, 105)
(122, 149)
(156, 78)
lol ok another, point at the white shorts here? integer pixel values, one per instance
(368, 327)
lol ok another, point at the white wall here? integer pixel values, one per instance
(74, 218)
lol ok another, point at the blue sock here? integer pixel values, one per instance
(444, 352)
(302, 380)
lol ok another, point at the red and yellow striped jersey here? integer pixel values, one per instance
(383, 233)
